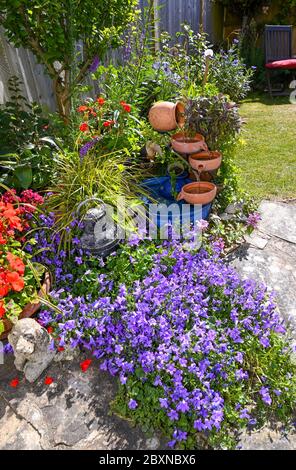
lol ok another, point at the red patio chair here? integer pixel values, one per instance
(278, 50)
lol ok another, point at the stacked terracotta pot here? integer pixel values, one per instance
(165, 117)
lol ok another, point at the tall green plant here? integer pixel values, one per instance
(110, 178)
(50, 30)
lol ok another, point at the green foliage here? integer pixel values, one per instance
(47, 28)
(25, 152)
(50, 30)
(230, 75)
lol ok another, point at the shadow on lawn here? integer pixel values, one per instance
(266, 99)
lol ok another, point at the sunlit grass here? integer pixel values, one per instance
(268, 155)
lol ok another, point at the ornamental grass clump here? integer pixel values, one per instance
(198, 351)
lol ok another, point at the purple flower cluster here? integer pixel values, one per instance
(94, 65)
(49, 253)
(253, 219)
(185, 326)
(87, 147)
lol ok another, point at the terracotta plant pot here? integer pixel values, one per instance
(30, 309)
(205, 161)
(184, 144)
(201, 193)
(165, 116)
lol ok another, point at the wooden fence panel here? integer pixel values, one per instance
(37, 86)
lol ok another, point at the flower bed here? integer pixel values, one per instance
(197, 350)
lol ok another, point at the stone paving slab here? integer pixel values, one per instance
(274, 262)
(279, 220)
(73, 412)
(268, 439)
(269, 256)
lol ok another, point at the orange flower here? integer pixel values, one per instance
(82, 109)
(84, 127)
(15, 280)
(101, 101)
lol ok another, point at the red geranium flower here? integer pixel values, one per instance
(4, 289)
(101, 101)
(2, 309)
(82, 109)
(50, 329)
(84, 127)
(48, 380)
(85, 365)
(15, 280)
(14, 382)
(16, 263)
(108, 123)
(61, 349)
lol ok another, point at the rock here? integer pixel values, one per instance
(152, 443)
(30, 342)
(257, 240)
(227, 217)
(234, 208)
(69, 354)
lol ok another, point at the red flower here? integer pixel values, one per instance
(126, 107)
(16, 263)
(2, 309)
(61, 349)
(85, 365)
(101, 101)
(48, 380)
(84, 127)
(82, 109)
(4, 289)
(2, 240)
(50, 329)
(108, 123)
(14, 382)
(15, 280)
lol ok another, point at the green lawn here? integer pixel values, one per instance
(268, 156)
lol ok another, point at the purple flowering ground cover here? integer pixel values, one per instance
(200, 354)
